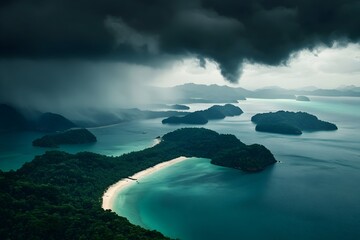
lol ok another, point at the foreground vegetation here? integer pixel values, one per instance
(58, 195)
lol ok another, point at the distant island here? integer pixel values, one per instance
(291, 123)
(12, 120)
(57, 195)
(302, 98)
(52, 122)
(179, 107)
(198, 93)
(203, 116)
(73, 136)
(168, 106)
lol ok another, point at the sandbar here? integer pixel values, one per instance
(111, 193)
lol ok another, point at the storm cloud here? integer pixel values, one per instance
(228, 32)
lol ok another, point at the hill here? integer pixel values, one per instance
(74, 136)
(197, 93)
(51, 122)
(58, 195)
(290, 123)
(11, 119)
(302, 98)
(203, 116)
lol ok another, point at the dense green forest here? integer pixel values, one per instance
(293, 123)
(59, 195)
(73, 136)
(203, 116)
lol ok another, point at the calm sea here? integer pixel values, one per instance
(313, 193)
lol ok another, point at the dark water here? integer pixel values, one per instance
(313, 193)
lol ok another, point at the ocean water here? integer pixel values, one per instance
(115, 140)
(313, 193)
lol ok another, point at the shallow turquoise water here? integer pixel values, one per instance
(16, 149)
(312, 194)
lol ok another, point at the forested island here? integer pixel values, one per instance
(203, 116)
(302, 99)
(179, 107)
(292, 123)
(73, 136)
(58, 195)
(13, 120)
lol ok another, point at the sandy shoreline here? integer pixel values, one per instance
(156, 142)
(110, 194)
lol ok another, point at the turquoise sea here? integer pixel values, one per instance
(313, 193)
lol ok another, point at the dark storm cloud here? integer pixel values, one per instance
(228, 32)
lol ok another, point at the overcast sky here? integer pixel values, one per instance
(60, 54)
(322, 68)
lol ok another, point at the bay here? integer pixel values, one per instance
(312, 193)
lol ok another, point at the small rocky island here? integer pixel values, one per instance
(302, 99)
(73, 136)
(203, 116)
(292, 123)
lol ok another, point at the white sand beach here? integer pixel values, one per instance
(156, 142)
(111, 193)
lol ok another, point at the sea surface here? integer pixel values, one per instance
(312, 193)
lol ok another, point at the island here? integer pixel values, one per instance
(52, 122)
(302, 98)
(195, 118)
(14, 120)
(292, 123)
(58, 195)
(11, 119)
(179, 107)
(73, 136)
(203, 116)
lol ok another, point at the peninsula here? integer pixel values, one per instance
(58, 195)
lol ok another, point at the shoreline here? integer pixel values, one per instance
(112, 191)
(156, 141)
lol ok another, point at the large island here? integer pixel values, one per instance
(58, 195)
(291, 123)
